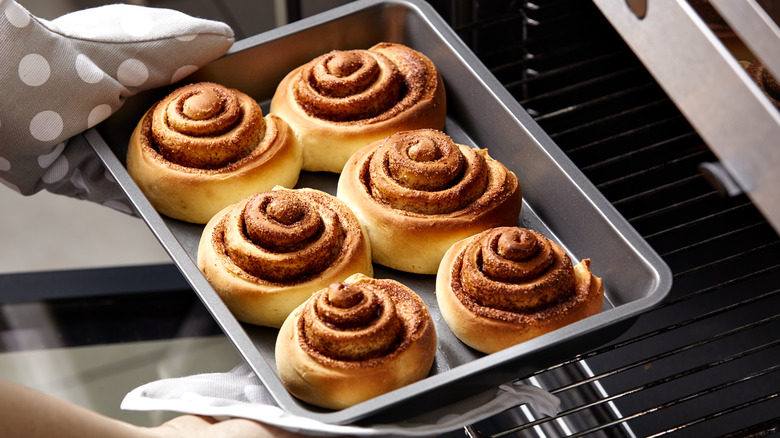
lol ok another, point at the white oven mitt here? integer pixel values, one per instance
(240, 394)
(64, 76)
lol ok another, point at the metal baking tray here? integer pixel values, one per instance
(558, 202)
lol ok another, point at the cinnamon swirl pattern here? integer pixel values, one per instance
(355, 340)
(346, 99)
(418, 192)
(269, 252)
(206, 146)
(509, 284)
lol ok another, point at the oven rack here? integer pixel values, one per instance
(704, 363)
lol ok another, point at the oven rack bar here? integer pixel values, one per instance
(659, 407)
(766, 372)
(697, 295)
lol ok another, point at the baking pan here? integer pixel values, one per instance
(558, 202)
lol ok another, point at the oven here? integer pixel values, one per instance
(705, 361)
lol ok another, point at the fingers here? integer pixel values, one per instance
(193, 426)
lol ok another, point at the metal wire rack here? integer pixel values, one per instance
(705, 363)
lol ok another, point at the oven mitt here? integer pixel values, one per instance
(64, 76)
(239, 393)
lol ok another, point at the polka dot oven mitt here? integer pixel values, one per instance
(64, 76)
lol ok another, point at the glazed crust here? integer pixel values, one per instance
(263, 268)
(333, 125)
(310, 372)
(534, 309)
(165, 163)
(412, 225)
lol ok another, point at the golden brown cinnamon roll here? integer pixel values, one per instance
(355, 340)
(344, 100)
(269, 252)
(418, 192)
(509, 284)
(206, 146)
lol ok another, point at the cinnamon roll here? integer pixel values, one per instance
(346, 99)
(418, 192)
(269, 252)
(509, 284)
(206, 146)
(355, 340)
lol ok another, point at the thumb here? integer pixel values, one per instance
(141, 47)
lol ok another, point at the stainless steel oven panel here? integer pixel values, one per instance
(710, 87)
(558, 201)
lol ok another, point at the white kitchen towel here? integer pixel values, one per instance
(240, 394)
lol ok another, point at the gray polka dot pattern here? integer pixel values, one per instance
(64, 76)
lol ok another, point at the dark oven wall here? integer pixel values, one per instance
(705, 362)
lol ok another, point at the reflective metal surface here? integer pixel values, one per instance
(710, 87)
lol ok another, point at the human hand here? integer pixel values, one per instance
(192, 426)
(21, 411)
(64, 76)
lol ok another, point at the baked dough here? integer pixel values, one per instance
(509, 284)
(355, 340)
(271, 251)
(418, 192)
(206, 146)
(346, 99)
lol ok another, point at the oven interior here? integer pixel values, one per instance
(705, 362)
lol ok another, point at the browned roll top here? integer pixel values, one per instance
(281, 236)
(425, 172)
(364, 86)
(509, 271)
(205, 126)
(361, 323)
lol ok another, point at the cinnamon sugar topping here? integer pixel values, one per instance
(517, 244)
(203, 105)
(343, 296)
(537, 272)
(343, 63)
(424, 150)
(425, 172)
(364, 86)
(286, 236)
(361, 323)
(286, 209)
(206, 126)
